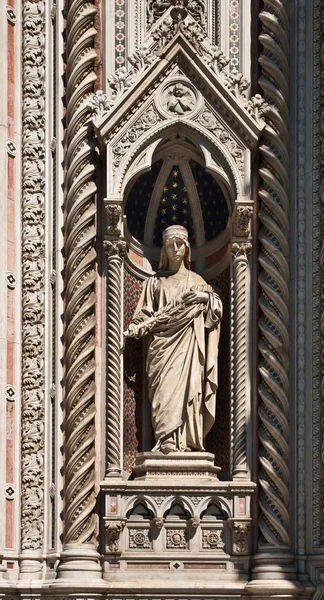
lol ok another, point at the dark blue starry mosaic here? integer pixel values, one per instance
(139, 199)
(174, 207)
(212, 200)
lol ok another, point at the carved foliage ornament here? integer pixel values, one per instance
(144, 123)
(113, 216)
(33, 185)
(208, 120)
(242, 220)
(123, 79)
(156, 8)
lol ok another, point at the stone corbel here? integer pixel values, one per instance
(114, 530)
(158, 523)
(115, 250)
(194, 522)
(242, 219)
(241, 538)
(241, 248)
(113, 219)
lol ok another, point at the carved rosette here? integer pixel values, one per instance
(115, 252)
(274, 279)
(139, 539)
(33, 284)
(240, 252)
(80, 275)
(212, 539)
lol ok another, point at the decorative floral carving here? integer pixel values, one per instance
(139, 538)
(116, 248)
(113, 216)
(141, 58)
(212, 539)
(33, 283)
(99, 104)
(145, 122)
(195, 35)
(240, 538)
(238, 84)
(217, 59)
(113, 533)
(207, 119)
(257, 107)
(179, 99)
(242, 220)
(120, 81)
(164, 33)
(176, 539)
(156, 8)
(241, 250)
(196, 500)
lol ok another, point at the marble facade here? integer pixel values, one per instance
(101, 99)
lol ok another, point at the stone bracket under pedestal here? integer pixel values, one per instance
(175, 522)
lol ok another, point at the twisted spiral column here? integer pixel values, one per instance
(115, 252)
(240, 253)
(80, 275)
(274, 281)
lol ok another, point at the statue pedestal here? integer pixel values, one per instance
(151, 466)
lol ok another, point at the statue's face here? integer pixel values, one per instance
(175, 249)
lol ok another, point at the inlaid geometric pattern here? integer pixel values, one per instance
(120, 26)
(234, 36)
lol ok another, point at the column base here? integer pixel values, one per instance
(275, 588)
(79, 561)
(30, 567)
(275, 564)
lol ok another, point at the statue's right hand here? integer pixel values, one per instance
(131, 331)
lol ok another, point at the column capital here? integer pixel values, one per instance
(241, 250)
(115, 248)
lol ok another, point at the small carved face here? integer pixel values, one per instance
(175, 249)
(178, 90)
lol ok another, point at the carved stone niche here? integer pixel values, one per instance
(184, 106)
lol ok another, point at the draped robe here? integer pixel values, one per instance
(182, 356)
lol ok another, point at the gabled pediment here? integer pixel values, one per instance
(203, 84)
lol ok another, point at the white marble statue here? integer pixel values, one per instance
(181, 315)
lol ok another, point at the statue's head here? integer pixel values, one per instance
(179, 235)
